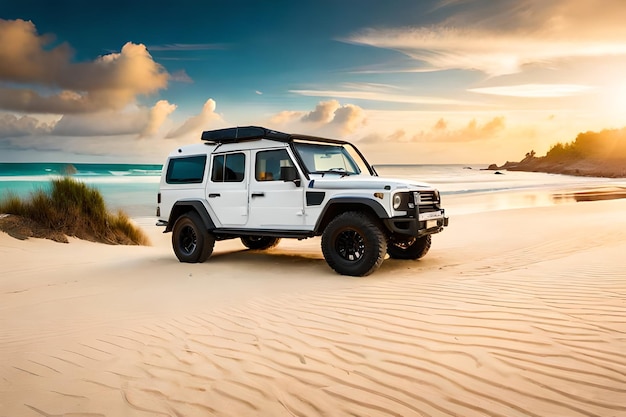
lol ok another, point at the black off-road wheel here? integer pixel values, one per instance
(259, 242)
(411, 248)
(353, 244)
(191, 241)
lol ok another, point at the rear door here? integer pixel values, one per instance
(227, 188)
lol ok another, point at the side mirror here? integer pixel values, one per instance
(290, 174)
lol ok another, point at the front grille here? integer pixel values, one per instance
(426, 201)
(425, 197)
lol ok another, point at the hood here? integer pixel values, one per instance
(334, 181)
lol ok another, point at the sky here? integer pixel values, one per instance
(407, 81)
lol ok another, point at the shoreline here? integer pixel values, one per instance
(572, 167)
(455, 204)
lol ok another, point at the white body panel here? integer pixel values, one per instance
(276, 205)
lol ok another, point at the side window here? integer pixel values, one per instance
(228, 167)
(186, 170)
(217, 173)
(270, 165)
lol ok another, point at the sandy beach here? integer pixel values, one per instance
(517, 312)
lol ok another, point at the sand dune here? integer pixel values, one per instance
(513, 313)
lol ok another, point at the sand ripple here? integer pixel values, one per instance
(459, 347)
(538, 330)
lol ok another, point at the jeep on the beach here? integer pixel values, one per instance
(260, 185)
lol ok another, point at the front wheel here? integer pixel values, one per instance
(354, 244)
(411, 248)
(191, 241)
(259, 242)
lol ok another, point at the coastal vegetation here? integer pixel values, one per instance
(69, 208)
(598, 154)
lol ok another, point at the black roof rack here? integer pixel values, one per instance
(240, 134)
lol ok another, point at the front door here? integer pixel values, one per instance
(275, 203)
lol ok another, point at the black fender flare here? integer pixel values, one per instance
(182, 207)
(353, 203)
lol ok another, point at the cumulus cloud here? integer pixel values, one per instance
(44, 79)
(324, 112)
(332, 117)
(24, 56)
(13, 126)
(501, 38)
(106, 123)
(195, 125)
(141, 122)
(348, 118)
(157, 115)
(329, 117)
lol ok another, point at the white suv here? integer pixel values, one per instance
(261, 185)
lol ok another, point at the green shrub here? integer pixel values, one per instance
(75, 209)
(14, 205)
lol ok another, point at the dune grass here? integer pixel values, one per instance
(75, 209)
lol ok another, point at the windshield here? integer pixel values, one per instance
(331, 158)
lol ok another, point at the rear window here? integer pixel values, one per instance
(186, 170)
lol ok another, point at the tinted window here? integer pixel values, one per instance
(228, 168)
(217, 172)
(186, 170)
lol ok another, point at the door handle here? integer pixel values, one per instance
(213, 195)
(258, 195)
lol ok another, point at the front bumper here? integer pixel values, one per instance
(413, 226)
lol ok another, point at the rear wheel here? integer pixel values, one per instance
(259, 242)
(191, 241)
(354, 244)
(411, 248)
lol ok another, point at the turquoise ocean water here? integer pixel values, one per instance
(465, 188)
(129, 187)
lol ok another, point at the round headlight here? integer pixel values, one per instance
(397, 201)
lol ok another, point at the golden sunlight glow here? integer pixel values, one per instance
(616, 103)
(534, 90)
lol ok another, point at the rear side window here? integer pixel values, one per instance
(228, 168)
(186, 170)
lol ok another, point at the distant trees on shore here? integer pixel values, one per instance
(608, 144)
(595, 154)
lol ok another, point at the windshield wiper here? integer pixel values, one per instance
(340, 171)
